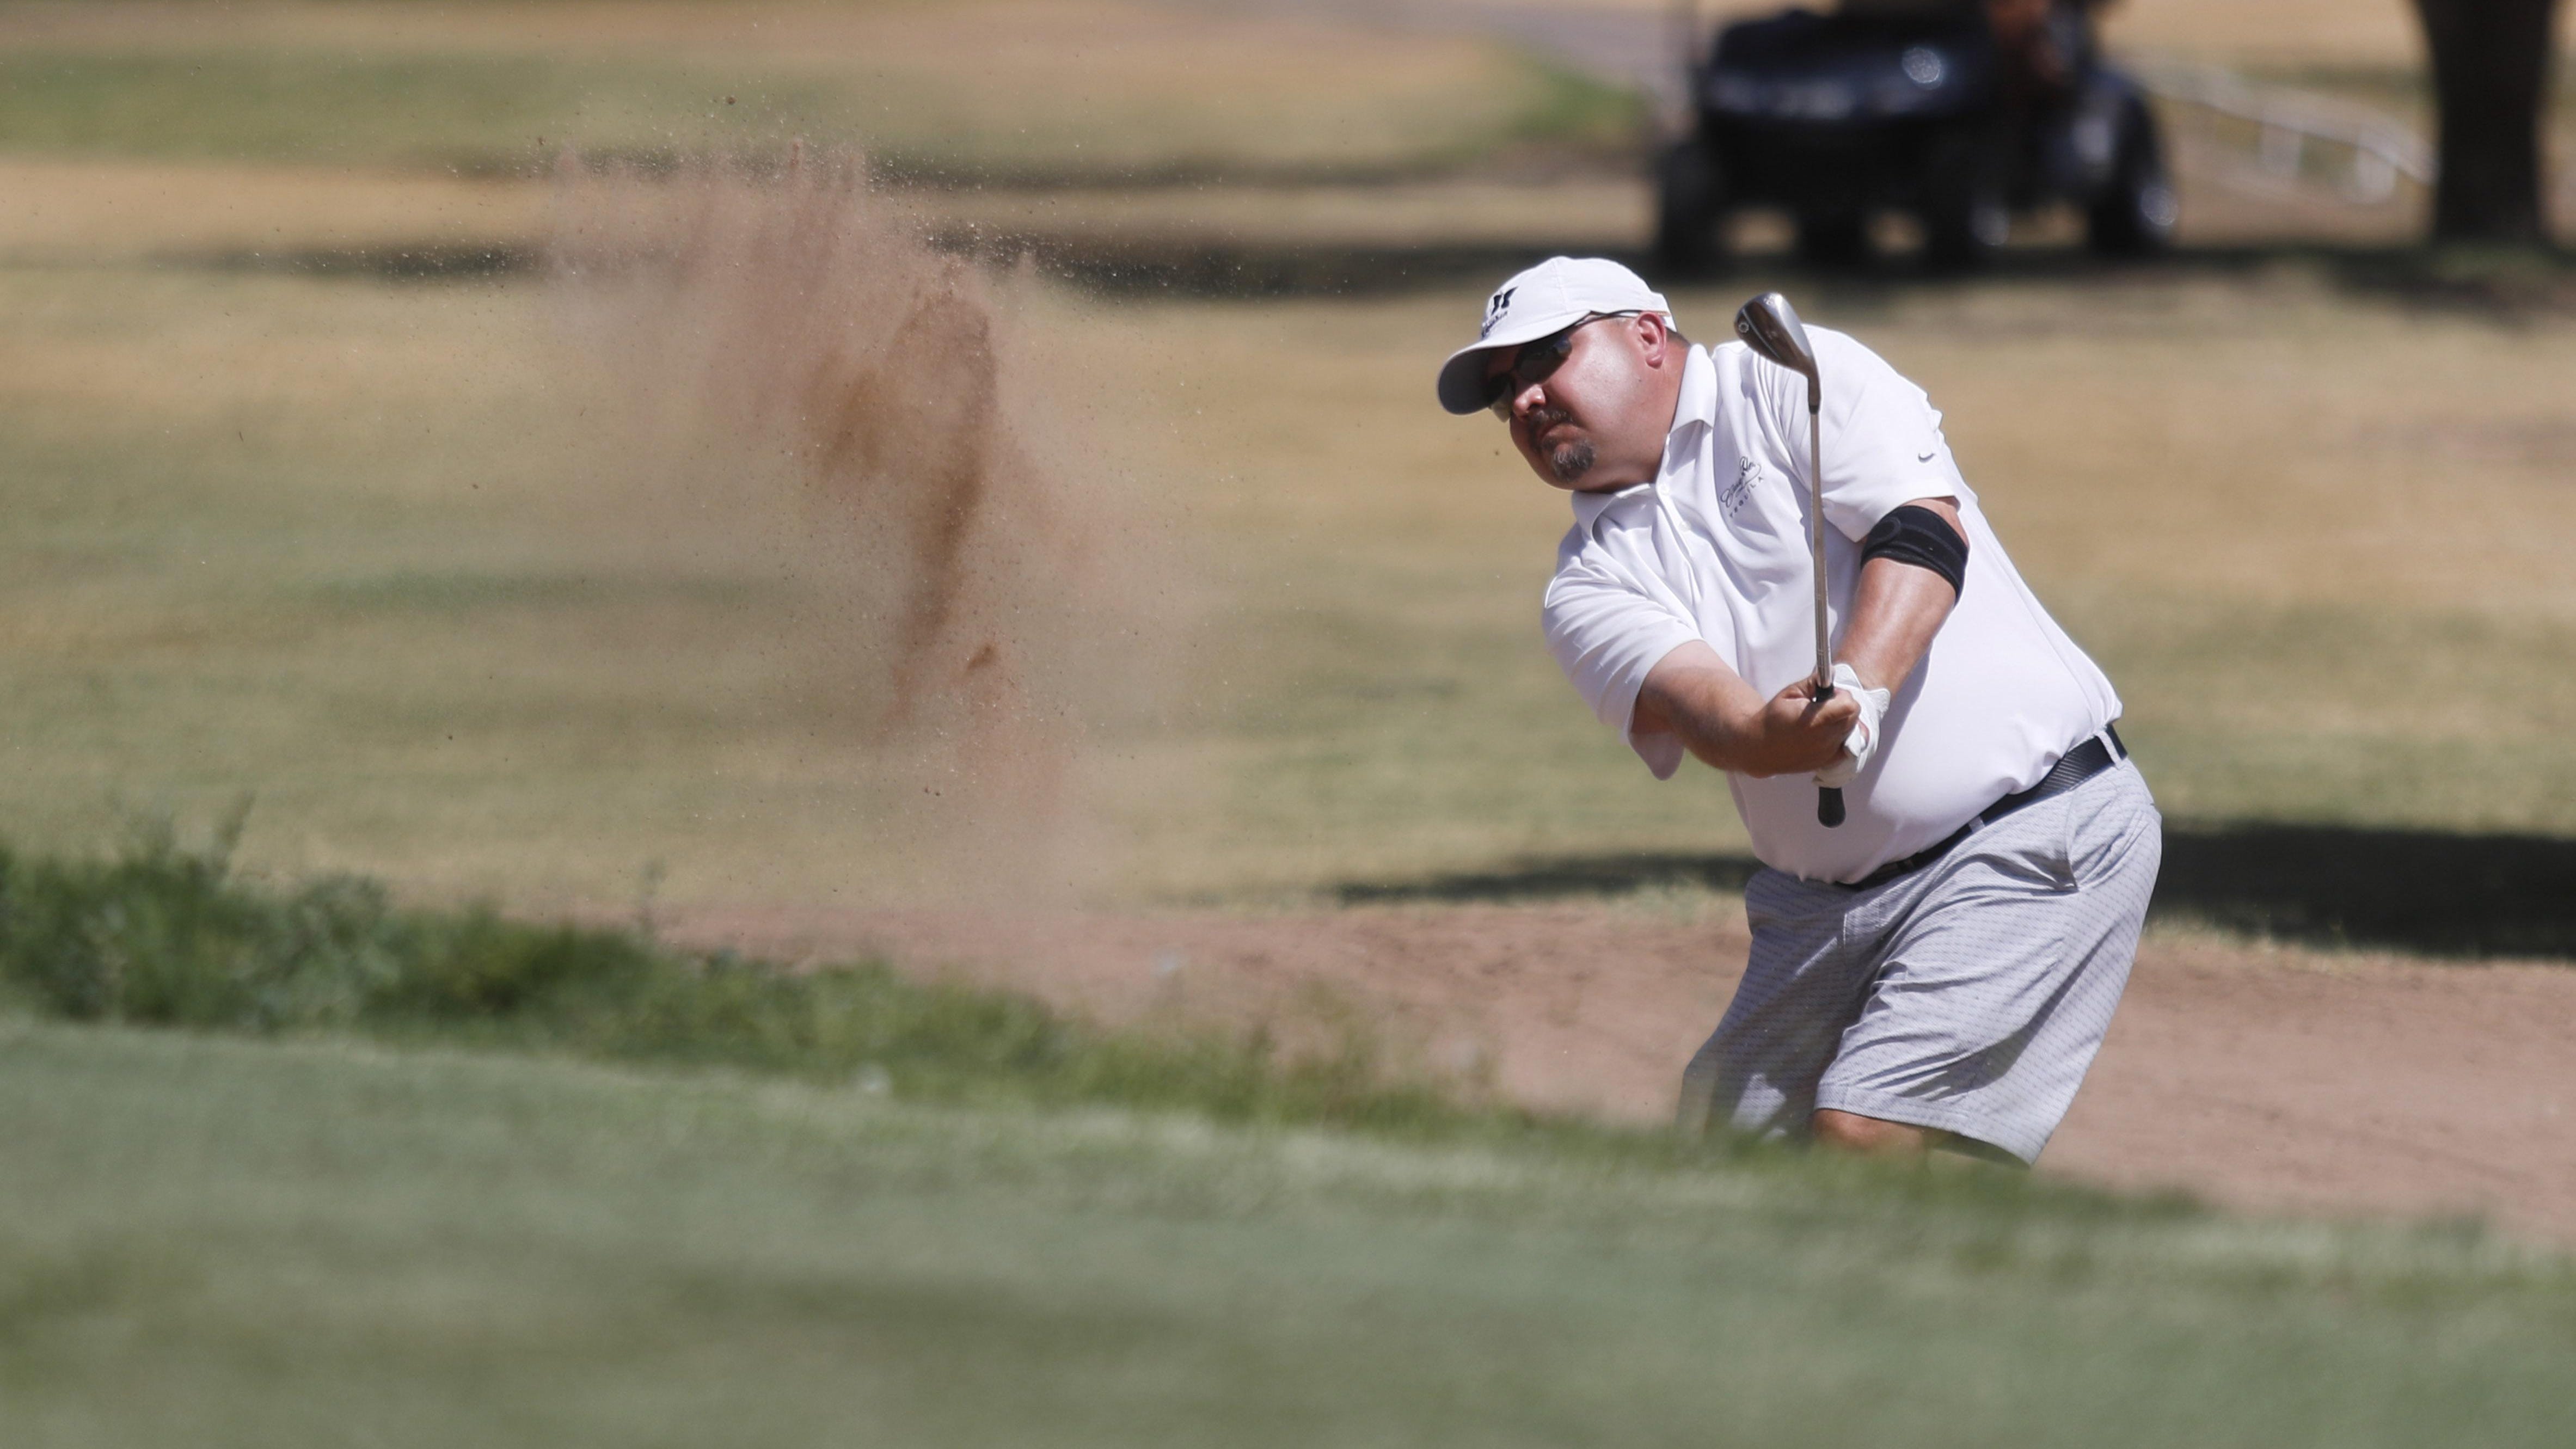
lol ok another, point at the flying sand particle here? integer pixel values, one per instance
(808, 375)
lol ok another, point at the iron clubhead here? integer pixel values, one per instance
(1770, 326)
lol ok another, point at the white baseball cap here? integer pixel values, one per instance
(1556, 293)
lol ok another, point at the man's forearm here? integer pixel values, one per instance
(1712, 711)
(1897, 607)
(1724, 723)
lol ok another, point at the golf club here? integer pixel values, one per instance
(1770, 326)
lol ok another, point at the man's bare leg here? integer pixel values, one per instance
(1874, 1136)
(1852, 1132)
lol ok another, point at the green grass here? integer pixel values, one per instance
(163, 935)
(925, 117)
(423, 1176)
(235, 1242)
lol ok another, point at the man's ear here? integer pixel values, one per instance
(1655, 339)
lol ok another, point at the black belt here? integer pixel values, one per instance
(2073, 768)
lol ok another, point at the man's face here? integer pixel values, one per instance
(1573, 399)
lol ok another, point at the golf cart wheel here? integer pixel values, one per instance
(1966, 218)
(1690, 201)
(2135, 214)
(1833, 238)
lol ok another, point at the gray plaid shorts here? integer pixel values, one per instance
(1968, 996)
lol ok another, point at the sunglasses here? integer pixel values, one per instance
(1537, 361)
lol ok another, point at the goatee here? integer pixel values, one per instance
(1568, 461)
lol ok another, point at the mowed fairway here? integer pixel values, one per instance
(238, 1244)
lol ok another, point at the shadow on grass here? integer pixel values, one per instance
(2457, 895)
(2505, 283)
(1110, 266)
(429, 261)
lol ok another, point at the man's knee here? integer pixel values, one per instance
(1852, 1132)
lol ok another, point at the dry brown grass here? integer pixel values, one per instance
(2246, 32)
(2365, 32)
(842, 29)
(2300, 527)
(63, 211)
(2376, 32)
(358, 560)
(2254, 32)
(2264, 441)
(371, 550)
(57, 211)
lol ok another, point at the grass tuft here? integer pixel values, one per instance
(164, 935)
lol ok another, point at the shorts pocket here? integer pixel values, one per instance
(2053, 849)
(2119, 830)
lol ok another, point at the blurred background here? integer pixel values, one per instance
(957, 487)
(320, 490)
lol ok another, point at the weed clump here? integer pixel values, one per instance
(162, 935)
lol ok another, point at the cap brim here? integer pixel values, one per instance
(1462, 377)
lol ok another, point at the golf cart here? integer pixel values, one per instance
(1959, 112)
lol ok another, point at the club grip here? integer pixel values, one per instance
(1829, 800)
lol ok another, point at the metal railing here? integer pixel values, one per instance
(2287, 123)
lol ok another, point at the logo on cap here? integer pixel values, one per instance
(1495, 307)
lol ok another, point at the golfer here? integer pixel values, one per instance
(1938, 970)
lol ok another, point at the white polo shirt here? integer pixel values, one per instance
(1716, 549)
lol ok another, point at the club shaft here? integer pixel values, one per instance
(1816, 541)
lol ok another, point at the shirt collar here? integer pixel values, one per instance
(1696, 408)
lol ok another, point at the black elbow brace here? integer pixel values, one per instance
(1916, 535)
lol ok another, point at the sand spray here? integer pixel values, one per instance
(800, 382)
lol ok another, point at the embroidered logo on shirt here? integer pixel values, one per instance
(1740, 492)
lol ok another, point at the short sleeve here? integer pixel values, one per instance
(1882, 438)
(1607, 634)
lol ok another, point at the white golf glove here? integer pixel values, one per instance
(1862, 742)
